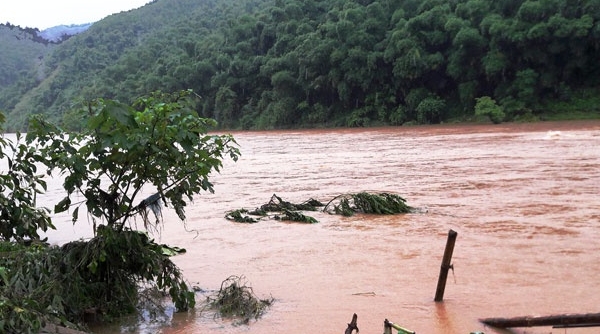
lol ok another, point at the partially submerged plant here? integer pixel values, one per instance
(345, 204)
(296, 216)
(158, 145)
(114, 264)
(32, 288)
(276, 204)
(103, 277)
(240, 216)
(283, 210)
(364, 202)
(237, 300)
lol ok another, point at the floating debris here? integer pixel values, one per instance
(241, 216)
(236, 300)
(296, 216)
(364, 202)
(345, 204)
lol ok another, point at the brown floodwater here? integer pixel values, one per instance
(524, 199)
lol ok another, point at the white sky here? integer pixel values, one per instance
(44, 14)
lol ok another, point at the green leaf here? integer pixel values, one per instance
(75, 215)
(63, 205)
(4, 275)
(121, 113)
(171, 251)
(93, 266)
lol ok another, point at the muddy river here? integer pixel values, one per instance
(524, 199)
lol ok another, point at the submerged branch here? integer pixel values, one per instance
(364, 202)
(345, 204)
(237, 300)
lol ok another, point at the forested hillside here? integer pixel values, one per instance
(260, 64)
(22, 54)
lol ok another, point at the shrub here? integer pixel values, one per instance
(487, 107)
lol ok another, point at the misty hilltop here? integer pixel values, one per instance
(62, 32)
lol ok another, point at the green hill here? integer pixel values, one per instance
(290, 63)
(22, 58)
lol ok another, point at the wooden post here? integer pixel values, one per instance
(557, 321)
(387, 328)
(441, 286)
(352, 325)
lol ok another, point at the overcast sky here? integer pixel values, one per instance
(44, 14)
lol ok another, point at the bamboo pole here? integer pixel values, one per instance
(558, 321)
(441, 286)
(388, 325)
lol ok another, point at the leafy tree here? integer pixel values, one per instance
(20, 218)
(525, 86)
(430, 110)
(158, 142)
(413, 99)
(107, 275)
(224, 105)
(487, 107)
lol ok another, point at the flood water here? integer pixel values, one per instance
(524, 199)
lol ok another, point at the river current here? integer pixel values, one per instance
(523, 198)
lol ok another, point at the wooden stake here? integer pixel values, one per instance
(441, 286)
(352, 325)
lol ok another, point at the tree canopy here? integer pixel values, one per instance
(158, 142)
(290, 63)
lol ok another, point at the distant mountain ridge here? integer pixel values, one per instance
(61, 32)
(54, 35)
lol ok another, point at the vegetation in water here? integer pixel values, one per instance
(241, 216)
(102, 278)
(364, 202)
(345, 204)
(277, 209)
(237, 300)
(295, 216)
(157, 145)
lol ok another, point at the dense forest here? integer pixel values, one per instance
(21, 63)
(262, 64)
